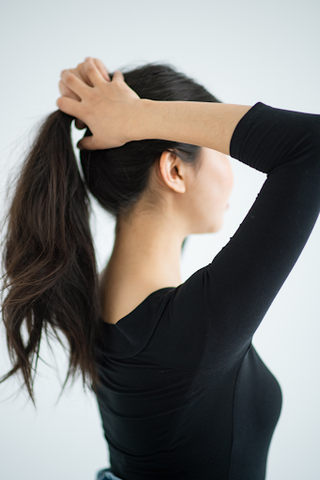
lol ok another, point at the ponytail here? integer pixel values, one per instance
(49, 259)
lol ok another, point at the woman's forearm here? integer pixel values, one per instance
(207, 124)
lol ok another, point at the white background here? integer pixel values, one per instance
(243, 52)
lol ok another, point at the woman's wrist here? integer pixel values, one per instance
(139, 119)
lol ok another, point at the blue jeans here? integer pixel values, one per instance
(106, 474)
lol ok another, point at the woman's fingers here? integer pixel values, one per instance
(64, 90)
(87, 143)
(102, 68)
(106, 107)
(118, 75)
(92, 72)
(74, 83)
(70, 106)
(81, 73)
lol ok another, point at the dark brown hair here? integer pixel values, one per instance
(48, 256)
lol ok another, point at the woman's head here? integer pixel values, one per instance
(119, 177)
(50, 266)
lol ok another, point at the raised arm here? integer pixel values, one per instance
(223, 303)
(113, 107)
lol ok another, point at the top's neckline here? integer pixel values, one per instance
(141, 304)
(131, 333)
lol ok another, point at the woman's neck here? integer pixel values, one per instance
(148, 247)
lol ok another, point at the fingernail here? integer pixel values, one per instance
(87, 58)
(80, 146)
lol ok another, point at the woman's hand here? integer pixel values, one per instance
(80, 72)
(106, 107)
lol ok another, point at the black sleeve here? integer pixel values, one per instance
(221, 305)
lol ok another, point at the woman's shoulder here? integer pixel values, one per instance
(121, 294)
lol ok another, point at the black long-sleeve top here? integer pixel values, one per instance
(184, 394)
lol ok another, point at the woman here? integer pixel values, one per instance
(181, 390)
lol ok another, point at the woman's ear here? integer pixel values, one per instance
(172, 171)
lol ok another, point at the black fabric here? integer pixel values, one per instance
(184, 394)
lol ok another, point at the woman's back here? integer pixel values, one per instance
(168, 412)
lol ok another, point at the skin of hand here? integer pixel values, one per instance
(80, 72)
(106, 107)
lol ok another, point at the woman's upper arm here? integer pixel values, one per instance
(224, 302)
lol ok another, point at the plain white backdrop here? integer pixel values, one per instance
(243, 52)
